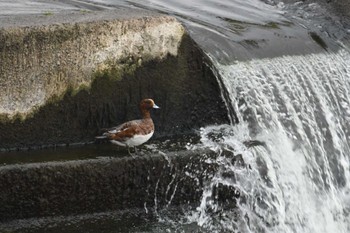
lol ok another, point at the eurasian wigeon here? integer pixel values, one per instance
(133, 133)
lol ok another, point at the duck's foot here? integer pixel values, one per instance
(136, 152)
(132, 154)
(129, 151)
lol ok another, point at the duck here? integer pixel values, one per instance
(133, 133)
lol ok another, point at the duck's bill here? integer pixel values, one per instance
(155, 106)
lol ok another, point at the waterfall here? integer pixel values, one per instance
(297, 180)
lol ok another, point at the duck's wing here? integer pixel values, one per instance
(122, 127)
(121, 132)
(114, 129)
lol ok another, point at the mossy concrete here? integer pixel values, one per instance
(62, 82)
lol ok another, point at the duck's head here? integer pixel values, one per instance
(148, 104)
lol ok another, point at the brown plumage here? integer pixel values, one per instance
(136, 132)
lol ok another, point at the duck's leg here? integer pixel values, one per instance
(135, 150)
(129, 151)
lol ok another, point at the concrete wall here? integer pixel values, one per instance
(65, 76)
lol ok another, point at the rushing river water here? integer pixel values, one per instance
(285, 71)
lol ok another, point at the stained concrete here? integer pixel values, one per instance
(65, 76)
(43, 57)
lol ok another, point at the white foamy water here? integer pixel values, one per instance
(299, 182)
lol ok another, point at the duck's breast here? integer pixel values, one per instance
(138, 139)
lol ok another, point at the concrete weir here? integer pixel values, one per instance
(66, 75)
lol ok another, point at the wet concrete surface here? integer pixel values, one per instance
(131, 221)
(104, 183)
(37, 187)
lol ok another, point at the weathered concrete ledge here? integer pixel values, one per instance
(41, 62)
(64, 76)
(106, 184)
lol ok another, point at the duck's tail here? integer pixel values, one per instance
(115, 142)
(101, 139)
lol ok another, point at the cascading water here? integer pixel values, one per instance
(299, 180)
